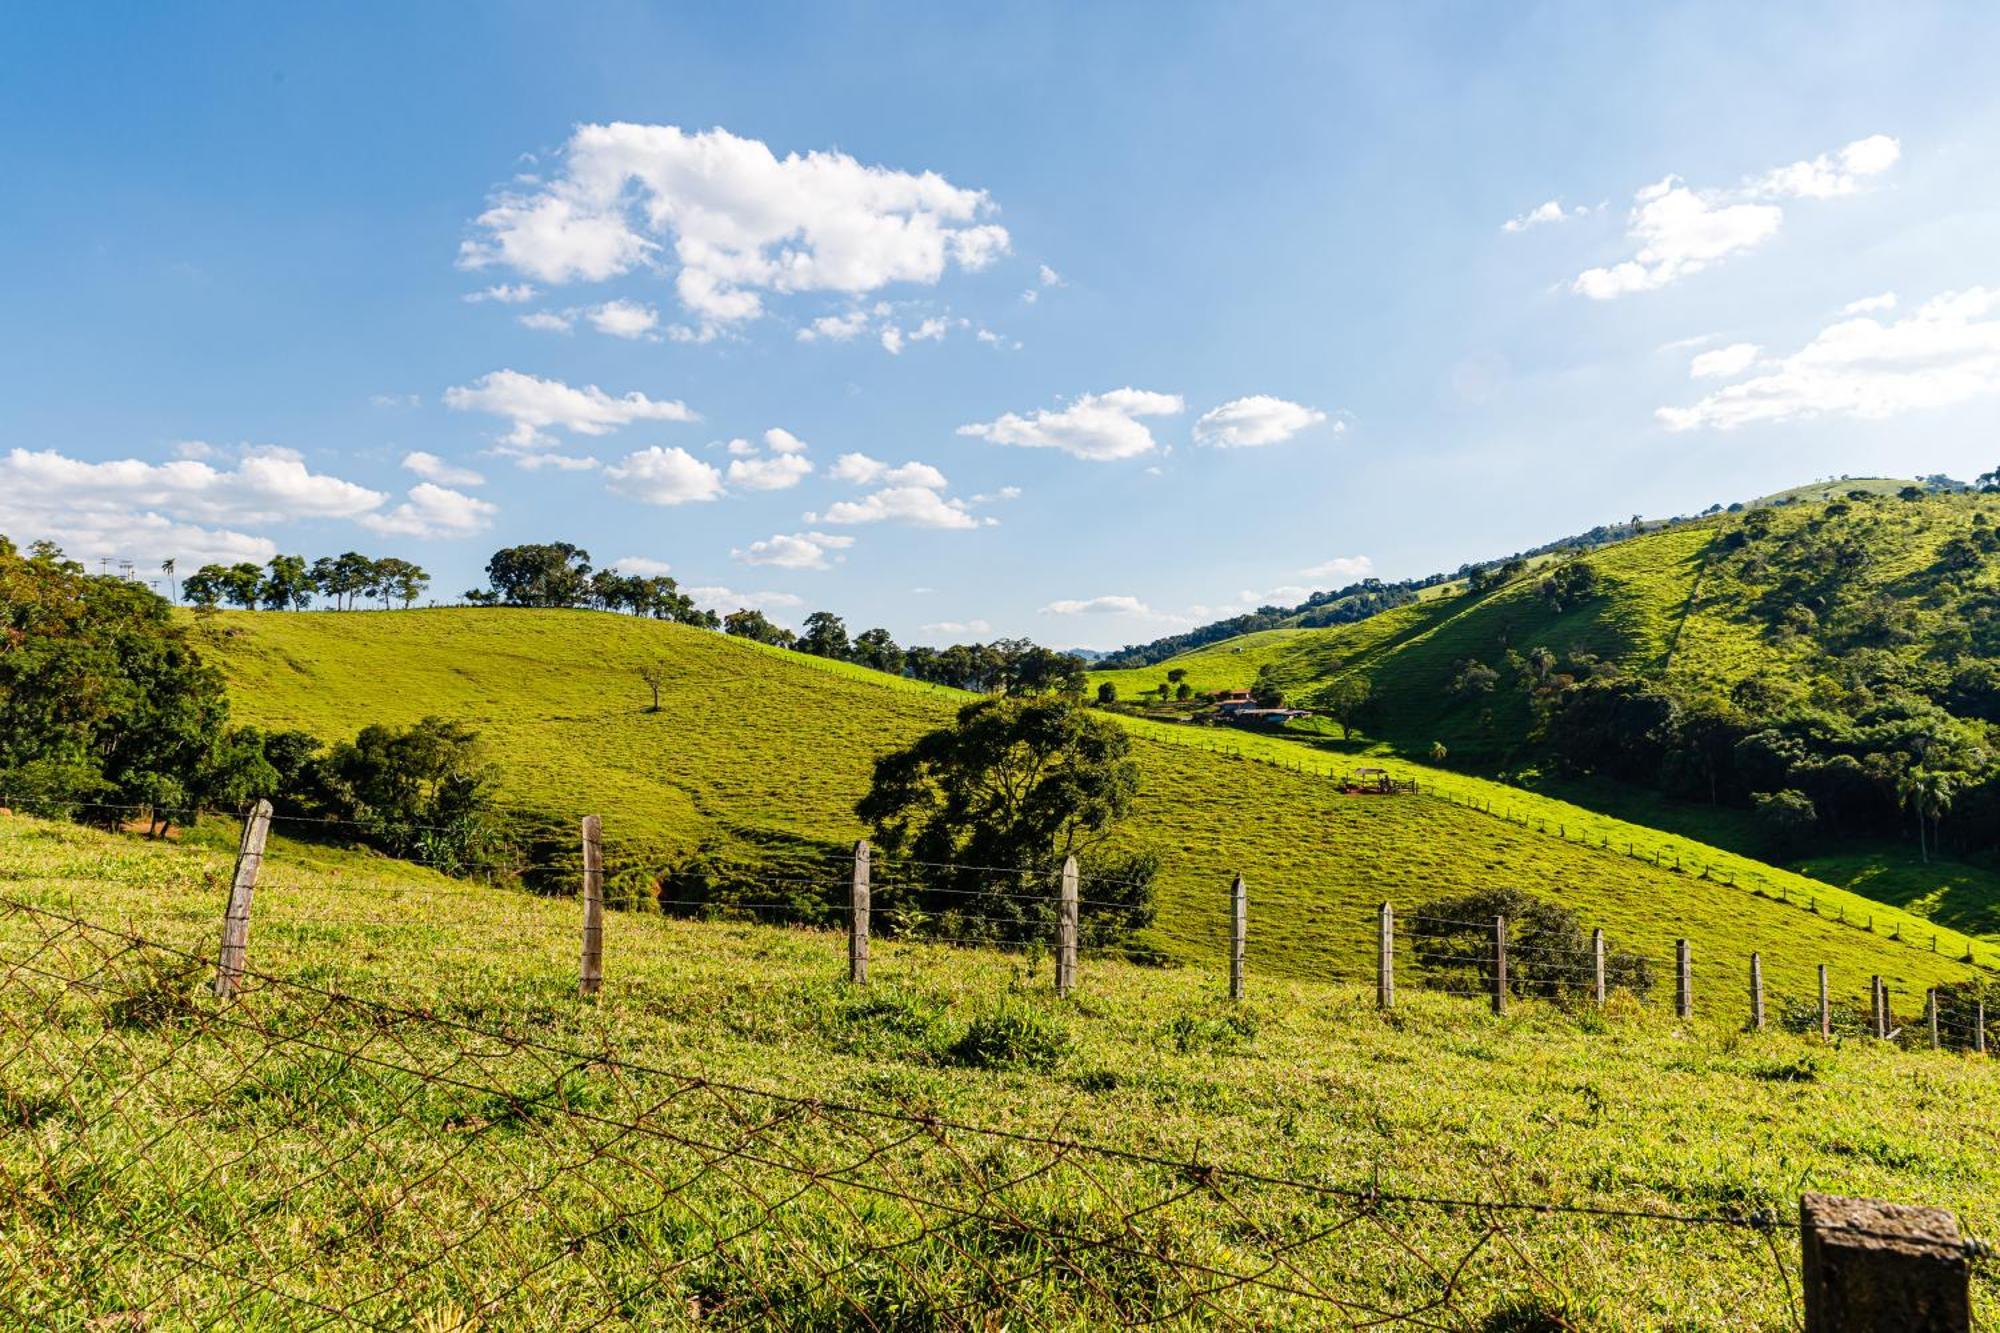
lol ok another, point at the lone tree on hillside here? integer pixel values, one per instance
(1020, 784)
(1548, 950)
(655, 675)
(540, 574)
(1344, 701)
(825, 636)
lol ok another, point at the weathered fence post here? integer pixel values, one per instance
(1930, 1014)
(1877, 1016)
(590, 975)
(857, 917)
(1066, 929)
(1683, 980)
(1979, 1026)
(1597, 964)
(1385, 960)
(1756, 993)
(1499, 964)
(1825, 1009)
(1239, 924)
(242, 888)
(1869, 1266)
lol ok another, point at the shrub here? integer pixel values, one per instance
(1014, 1037)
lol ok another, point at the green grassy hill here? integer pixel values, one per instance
(755, 746)
(410, 1117)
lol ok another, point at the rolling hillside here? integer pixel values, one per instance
(370, 1154)
(756, 746)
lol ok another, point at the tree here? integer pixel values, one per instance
(204, 587)
(287, 585)
(540, 574)
(241, 584)
(399, 580)
(1107, 692)
(1453, 941)
(1020, 784)
(423, 792)
(1265, 690)
(1570, 586)
(746, 623)
(1177, 675)
(1183, 691)
(1473, 679)
(1344, 701)
(1789, 814)
(874, 648)
(167, 568)
(655, 675)
(825, 636)
(1928, 794)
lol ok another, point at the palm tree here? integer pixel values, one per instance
(167, 568)
(1927, 793)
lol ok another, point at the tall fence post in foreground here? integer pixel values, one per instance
(1930, 1014)
(1979, 1026)
(1683, 980)
(1825, 1008)
(1499, 964)
(1878, 1009)
(857, 918)
(1239, 926)
(242, 888)
(1066, 930)
(1597, 964)
(1869, 1265)
(590, 974)
(1756, 993)
(1385, 960)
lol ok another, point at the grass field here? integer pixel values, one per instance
(438, 1164)
(753, 744)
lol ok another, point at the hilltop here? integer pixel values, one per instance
(758, 753)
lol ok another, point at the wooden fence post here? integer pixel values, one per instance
(1930, 1014)
(590, 975)
(1385, 960)
(1499, 964)
(235, 952)
(1683, 980)
(1756, 993)
(1597, 964)
(1979, 1026)
(857, 917)
(1825, 1009)
(1868, 1265)
(1239, 925)
(1066, 930)
(1878, 1006)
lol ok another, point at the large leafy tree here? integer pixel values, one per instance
(985, 810)
(825, 636)
(541, 574)
(103, 697)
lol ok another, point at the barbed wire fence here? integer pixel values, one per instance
(215, 1155)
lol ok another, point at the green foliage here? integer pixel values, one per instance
(1549, 953)
(422, 792)
(1012, 785)
(1013, 1036)
(540, 574)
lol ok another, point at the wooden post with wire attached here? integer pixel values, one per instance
(1683, 979)
(1979, 1026)
(235, 954)
(1930, 1014)
(1870, 1265)
(1756, 993)
(1385, 960)
(1499, 964)
(1239, 925)
(1825, 1008)
(1597, 964)
(590, 972)
(1066, 930)
(857, 917)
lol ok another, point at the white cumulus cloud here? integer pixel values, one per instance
(433, 511)
(624, 319)
(918, 506)
(641, 566)
(1542, 215)
(1341, 570)
(535, 405)
(432, 468)
(664, 477)
(1680, 231)
(547, 321)
(862, 470)
(738, 220)
(1257, 419)
(1947, 352)
(1724, 362)
(798, 550)
(781, 441)
(1870, 304)
(1095, 426)
(504, 293)
(776, 473)
(716, 598)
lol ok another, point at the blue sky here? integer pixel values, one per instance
(1083, 322)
